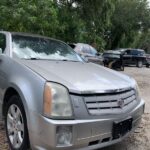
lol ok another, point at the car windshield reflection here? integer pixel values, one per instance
(26, 47)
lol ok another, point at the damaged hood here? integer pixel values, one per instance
(80, 77)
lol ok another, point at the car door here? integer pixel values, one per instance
(127, 57)
(2, 74)
(135, 56)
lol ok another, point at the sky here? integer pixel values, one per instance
(149, 2)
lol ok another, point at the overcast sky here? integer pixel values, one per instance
(149, 2)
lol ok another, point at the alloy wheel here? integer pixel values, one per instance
(15, 126)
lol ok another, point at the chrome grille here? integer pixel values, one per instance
(109, 103)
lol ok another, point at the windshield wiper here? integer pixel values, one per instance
(68, 60)
(36, 58)
(33, 58)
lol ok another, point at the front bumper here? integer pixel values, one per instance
(87, 134)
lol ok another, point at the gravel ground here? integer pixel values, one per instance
(140, 139)
(3, 140)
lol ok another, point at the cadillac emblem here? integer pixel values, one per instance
(121, 103)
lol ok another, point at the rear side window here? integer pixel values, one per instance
(89, 50)
(137, 52)
(2, 43)
(134, 52)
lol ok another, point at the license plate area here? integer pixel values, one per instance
(120, 128)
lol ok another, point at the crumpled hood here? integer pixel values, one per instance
(80, 77)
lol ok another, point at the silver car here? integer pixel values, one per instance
(88, 53)
(51, 100)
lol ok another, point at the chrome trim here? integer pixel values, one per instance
(102, 91)
(94, 136)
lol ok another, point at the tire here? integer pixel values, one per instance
(140, 64)
(16, 124)
(147, 65)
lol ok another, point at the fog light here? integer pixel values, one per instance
(64, 136)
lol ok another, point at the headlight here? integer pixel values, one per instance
(56, 101)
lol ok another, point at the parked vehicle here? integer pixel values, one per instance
(88, 52)
(134, 57)
(147, 60)
(113, 60)
(51, 99)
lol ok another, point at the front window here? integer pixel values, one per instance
(28, 47)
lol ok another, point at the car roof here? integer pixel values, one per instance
(112, 52)
(135, 49)
(82, 44)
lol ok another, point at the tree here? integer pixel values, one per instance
(70, 22)
(129, 18)
(143, 41)
(29, 16)
(96, 15)
(108, 23)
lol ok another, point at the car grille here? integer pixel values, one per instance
(113, 103)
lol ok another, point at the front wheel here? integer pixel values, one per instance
(16, 124)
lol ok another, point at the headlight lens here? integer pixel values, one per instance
(56, 101)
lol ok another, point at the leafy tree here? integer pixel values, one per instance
(96, 15)
(29, 16)
(108, 23)
(129, 18)
(143, 41)
(70, 22)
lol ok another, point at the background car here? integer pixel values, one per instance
(88, 52)
(113, 60)
(147, 60)
(134, 57)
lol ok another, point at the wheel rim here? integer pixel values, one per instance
(15, 126)
(140, 63)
